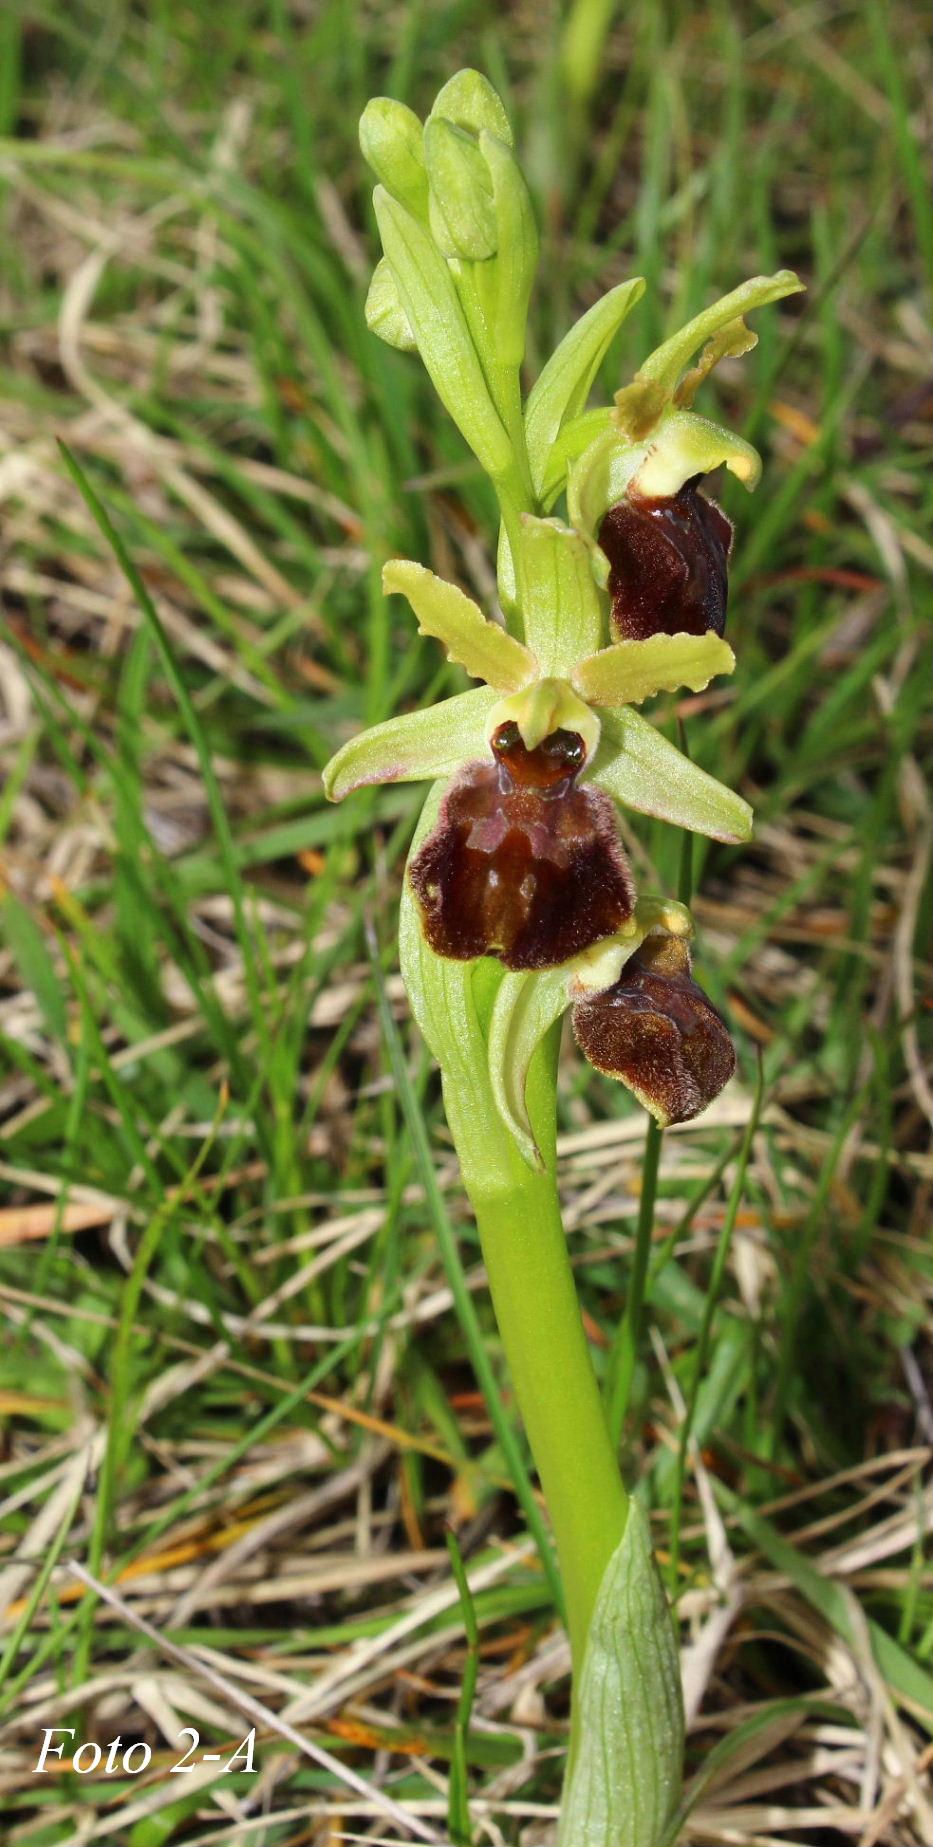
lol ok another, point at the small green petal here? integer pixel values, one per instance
(430, 301)
(415, 747)
(633, 670)
(525, 1009)
(562, 609)
(668, 361)
(444, 611)
(638, 766)
(565, 383)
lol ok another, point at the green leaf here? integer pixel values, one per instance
(526, 1006)
(564, 613)
(638, 766)
(444, 611)
(36, 968)
(564, 386)
(666, 363)
(391, 138)
(469, 100)
(633, 670)
(429, 298)
(462, 215)
(385, 316)
(414, 747)
(624, 1783)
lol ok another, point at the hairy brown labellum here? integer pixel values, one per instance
(668, 564)
(522, 864)
(656, 1030)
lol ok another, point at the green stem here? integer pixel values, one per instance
(625, 1351)
(535, 1300)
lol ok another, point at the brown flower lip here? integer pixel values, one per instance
(657, 1032)
(668, 562)
(522, 864)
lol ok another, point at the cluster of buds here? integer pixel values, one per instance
(518, 857)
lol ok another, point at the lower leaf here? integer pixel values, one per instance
(625, 1778)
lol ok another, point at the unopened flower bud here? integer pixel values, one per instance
(391, 138)
(462, 212)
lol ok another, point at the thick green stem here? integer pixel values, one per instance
(535, 1300)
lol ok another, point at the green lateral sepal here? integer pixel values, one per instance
(527, 1005)
(415, 747)
(638, 767)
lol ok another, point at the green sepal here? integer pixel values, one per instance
(469, 100)
(525, 1009)
(391, 141)
(416, 747)
(429, 298)
(664, 366)
(385, 316)
(446, 612)
(564, 613)
(624, 1781)
(461, 212)
(638, 767)
(565, 383)
(631, 671)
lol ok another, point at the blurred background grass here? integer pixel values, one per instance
(233, 1386)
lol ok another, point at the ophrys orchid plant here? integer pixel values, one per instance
(519, 901)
